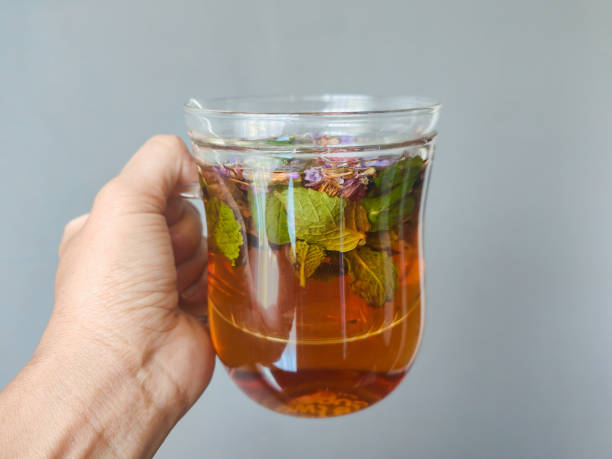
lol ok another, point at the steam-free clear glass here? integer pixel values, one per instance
(314, 211)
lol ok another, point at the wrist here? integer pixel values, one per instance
(83, 401)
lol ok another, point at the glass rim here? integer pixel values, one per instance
(396, 105)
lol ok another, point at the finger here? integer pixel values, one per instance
(186, 234)
(149, 177)
(174, 210)
(70, 230)
(192, 269)
(193, 300)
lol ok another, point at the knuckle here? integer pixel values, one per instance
(109, 193)
(106, 192)
(74, 225)
(69, 227)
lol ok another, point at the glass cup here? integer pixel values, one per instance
(314, 209)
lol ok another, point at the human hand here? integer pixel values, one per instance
(124, 352)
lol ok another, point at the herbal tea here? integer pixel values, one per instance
(315, 269)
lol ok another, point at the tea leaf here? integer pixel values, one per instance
(319, 219)
(403, 172)
(224, 231)
(387, 211)
(389, 202)
(308, 257)
(356, 217)
(382, 240)
(373, 275)
(276, 221)
(275, 217)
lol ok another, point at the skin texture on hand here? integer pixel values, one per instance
(124, 355)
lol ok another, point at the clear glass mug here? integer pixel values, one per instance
(314, 209)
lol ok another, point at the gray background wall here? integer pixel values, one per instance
(516, 360)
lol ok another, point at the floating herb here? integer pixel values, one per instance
(224, 230)
(307, 257)
(319, 219)
(373, 275)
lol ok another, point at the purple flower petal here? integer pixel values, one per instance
(353, 188)
(313, 176)
(222, 170)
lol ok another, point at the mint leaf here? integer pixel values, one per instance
(275, 216)
(405, 171)
(386, 211)
(356, 217)
(308, 257)
(319, 219)
(389, 201)
(382, 240)
(373, 275)
(224, 231)
(276, 221)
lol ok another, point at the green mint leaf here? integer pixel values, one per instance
(275, 216)
(389, 202)
(319, 219)
(403, 172)
(307, 257)
(276, 221)
(224, 231)
(387, 211)
(373, 275)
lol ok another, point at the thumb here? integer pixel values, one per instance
(150, 176)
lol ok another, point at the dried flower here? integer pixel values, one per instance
(348, 183)
(283, 176)
(331, 188)
(313, 177)
(221, 169)
(354, 188)
(231, 171)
